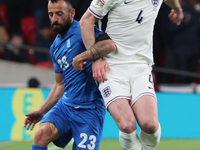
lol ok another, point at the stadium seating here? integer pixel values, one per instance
(1, 53)
(45, 64)
(197, 80)
(3, 15)
(28, 26)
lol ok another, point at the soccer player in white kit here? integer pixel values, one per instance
(127, 86)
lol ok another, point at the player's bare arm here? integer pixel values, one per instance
(99, 50)
(87, 29)
(99, 67)
(56, 93)
(176, 14)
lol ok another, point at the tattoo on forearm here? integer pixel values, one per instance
(102, 49)
(92, 53)
(96, 51)
(84, 55)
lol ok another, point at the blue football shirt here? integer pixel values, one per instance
(80, 89)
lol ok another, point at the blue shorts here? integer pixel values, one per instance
(84, 125)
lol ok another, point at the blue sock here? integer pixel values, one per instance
(36, 147)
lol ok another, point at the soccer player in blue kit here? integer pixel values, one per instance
(74, 107)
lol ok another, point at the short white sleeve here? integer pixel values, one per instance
(99, 8)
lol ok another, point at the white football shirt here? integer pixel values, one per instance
(130, 25)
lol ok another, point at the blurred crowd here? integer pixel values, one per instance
(178, 47)
(27, 22)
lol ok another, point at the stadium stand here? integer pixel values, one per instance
(3, 15)
(28, 29)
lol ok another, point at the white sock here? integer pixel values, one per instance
(150, 141)
(129, 141)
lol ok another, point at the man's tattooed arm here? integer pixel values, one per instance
(99, 50)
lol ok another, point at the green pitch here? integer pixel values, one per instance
(113, 144)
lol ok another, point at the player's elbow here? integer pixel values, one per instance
(87, 20)
(83, 22)
(112, 46)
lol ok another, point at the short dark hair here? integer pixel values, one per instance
(67, 1)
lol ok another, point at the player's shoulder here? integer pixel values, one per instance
(52, 47)
(75, 30)
(75, 27)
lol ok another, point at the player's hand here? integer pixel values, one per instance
(78, 65)
(32, 118)
(99, 68)
(175, 17)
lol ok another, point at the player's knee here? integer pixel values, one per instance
(150, 126)
(39, 136)
(42, 136)
(127, 127)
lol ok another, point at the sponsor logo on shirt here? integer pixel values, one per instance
(106, 91)
(100, 3)
(127, 2)
(155, 2)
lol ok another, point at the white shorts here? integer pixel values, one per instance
(130, 81)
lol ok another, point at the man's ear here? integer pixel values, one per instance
(72, 13)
